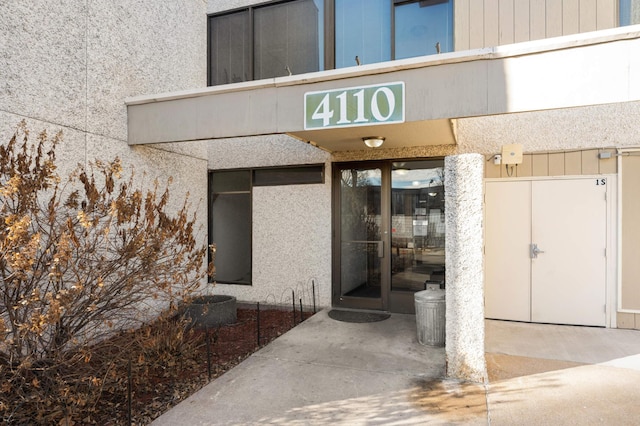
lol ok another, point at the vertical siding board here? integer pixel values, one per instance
(524, 169)
(553, 18)
(630, 273)
(588, 15)
(537, 19)
(491, 23)
(607, 15)
(506, 22)
(590, 162)
(556, 164)
(573, 163)
(461, 25)
(570, 17)
(476, 24)
(521, 19)
(540, 165)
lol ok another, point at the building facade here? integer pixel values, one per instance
(552, 84)
(526, 108)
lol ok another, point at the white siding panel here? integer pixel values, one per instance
(491, 23)
(553, 18)
(507, 22)
(537, 19)
(570, 17)
(607, 16)
(461, 25)
(588, 15)
(476, 24)
(521, 18)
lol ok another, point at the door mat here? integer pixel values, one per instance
(355, 316)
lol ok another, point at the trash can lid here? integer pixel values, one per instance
(430, 294)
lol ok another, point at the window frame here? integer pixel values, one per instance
(252, 185)
(329, 31)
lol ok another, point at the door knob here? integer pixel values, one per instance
(534, 251)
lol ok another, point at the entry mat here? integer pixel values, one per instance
(357, 316)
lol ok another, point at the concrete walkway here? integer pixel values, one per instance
(330, 372)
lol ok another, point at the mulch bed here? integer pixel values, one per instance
(228, 346)
(158, 365)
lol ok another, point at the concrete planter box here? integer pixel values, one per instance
(212, 311)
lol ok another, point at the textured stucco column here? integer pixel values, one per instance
(463, 185)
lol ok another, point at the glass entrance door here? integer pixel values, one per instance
(389, 233)
(361, 225)
(417, 230)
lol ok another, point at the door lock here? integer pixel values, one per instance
(534, 251)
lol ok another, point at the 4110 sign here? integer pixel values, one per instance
(354, 106)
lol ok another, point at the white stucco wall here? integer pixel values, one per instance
(291, 230)
(69, 66)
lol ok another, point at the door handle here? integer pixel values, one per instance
(534, 251)
(380, 248)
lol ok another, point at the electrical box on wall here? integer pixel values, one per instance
(512, 154)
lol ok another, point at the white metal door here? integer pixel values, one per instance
(507, 237)
(569, 227)
(562, 279)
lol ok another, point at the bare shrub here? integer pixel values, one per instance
(80, 260)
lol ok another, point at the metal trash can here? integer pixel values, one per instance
(430, 316)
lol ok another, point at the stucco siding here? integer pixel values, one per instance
(291, 245)
(68, 66)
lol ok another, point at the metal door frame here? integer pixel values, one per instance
(385, 210)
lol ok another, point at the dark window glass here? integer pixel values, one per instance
(231, 232)
(289, 175)
(283, 38)
(229, 48)
(423, 28)
(231, 181)
(363, 29)
(287, 39)
(230, 225)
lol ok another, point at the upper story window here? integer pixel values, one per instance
(266, 41)
(298, 36)
(382, 30)
(629, 12)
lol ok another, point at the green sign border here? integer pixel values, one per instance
(312, 101)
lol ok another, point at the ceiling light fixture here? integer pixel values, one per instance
(373, 141)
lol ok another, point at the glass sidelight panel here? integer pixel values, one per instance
(361, 246)
(417, 225)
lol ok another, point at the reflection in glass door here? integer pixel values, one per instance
(361, 249)
(389, 233)
(417, 229)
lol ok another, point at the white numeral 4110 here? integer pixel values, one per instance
(325, 113)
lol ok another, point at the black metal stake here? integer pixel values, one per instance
(258, 322)
(313, 289)
(301, 315)
(206, 329)
(129, 385)
(293, 303)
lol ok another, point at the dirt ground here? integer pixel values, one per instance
(206, 355)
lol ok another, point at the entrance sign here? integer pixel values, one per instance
(354, 106)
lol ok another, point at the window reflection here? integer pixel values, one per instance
(363, 29)
(287, 39)
(417, 225)
(423, 28)
(629, 12)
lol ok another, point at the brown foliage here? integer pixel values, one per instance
(79, 260)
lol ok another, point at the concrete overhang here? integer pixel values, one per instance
(595, 68)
